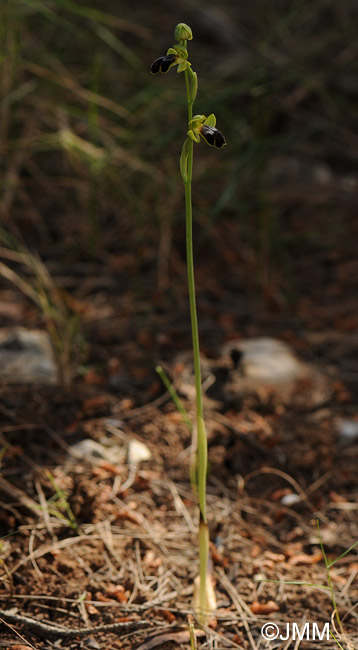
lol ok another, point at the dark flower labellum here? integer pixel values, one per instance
(163, 63)
(212, 136)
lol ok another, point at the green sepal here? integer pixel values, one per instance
(193, 136)
(210, 120)
(199, 119)
(196, 121)
(184, 160)
(179, 50)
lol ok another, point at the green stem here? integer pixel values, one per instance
(191, 283)
(201, 433)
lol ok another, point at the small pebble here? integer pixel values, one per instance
(348, 429)
(290, 499)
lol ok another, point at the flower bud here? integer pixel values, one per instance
(183, 32)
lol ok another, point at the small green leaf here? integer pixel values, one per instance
(193, 84)
(184, 160)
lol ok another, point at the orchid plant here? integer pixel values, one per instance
(199, 126)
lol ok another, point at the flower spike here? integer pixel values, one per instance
(176, 55)
(204, 127)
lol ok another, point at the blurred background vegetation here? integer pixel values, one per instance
(90, 141)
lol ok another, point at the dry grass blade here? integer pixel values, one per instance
(98, 16)
(21, 497)
(72, 85)
(60, 320)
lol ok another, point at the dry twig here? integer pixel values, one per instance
(47, 631)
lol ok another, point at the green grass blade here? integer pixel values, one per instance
(175, 397)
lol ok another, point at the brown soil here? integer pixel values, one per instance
(130, 554)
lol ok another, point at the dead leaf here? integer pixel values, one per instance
(91, 609)
(275, 557)
(118, 593)
(91, 405)
(113, 590)
(346, 323)
(337, 498)
(162, 639)
(210, 598)
(278, 494)
(140, 372)
(264, 608)
(256, 551)
(341, 392)
(102, 599)
(126, 404)
(303, 558)
(113, 469)
(151, 560)
(91, 378)
(105, 470)
(129, 516)
(217, 558)
(166, 614)
(237, 639)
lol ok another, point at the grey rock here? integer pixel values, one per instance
(267, 363)
(89, 449)
(265, 359)
(26, 357)
(265, 367)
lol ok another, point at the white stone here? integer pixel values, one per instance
(94, 452)
(290, 499)
(348, 429)
(88, 449)
(137, 452)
